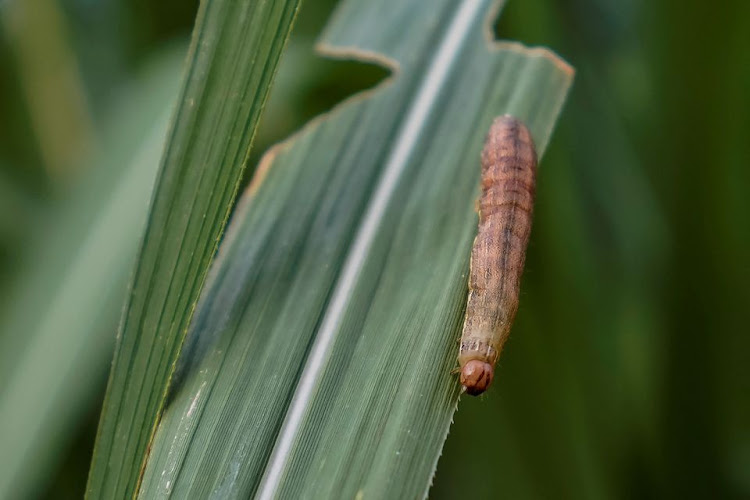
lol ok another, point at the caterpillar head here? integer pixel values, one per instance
(476, 376)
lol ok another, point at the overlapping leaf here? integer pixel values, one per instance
(234, 53)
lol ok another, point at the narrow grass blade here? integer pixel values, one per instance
(318, 363)
(234, 53)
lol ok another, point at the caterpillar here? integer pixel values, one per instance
(505, 209)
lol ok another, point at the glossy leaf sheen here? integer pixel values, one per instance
(234, 53)
(381, 406)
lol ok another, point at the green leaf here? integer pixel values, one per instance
(318, 363)
(234, 52)
(58, 328)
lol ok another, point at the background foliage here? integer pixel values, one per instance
(626, 374)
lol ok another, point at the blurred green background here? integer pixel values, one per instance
(626, 375)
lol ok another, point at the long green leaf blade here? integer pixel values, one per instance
(365, 410)
(234, 53)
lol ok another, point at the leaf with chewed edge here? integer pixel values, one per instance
(318, 362)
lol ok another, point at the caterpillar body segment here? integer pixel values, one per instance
(505, 209)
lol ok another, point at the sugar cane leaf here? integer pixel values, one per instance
(318, 362)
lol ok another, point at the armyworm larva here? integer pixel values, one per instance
(505, 210)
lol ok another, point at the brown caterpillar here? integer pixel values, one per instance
(505, 210)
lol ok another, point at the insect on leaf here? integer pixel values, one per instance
(318, 363)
